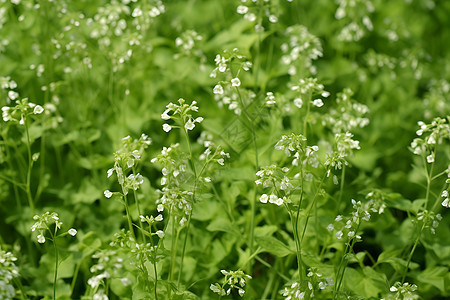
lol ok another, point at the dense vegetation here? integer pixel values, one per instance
(263, 149)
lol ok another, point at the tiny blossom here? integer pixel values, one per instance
(263, 198)
(235, 82)
(166, 127)
(298, 102)
(318, 102)
(72, 231)
(218, 90)
(108, 193)
(242, 9)
(38, 109)
(430, 158)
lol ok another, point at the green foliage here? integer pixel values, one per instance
(264, 149)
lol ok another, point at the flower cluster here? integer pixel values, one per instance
(187, 44)
(403, 291)
(344, 145)
(182, 113)
(234, 280)
(433, 134)
(303, 155)
(152, 220)
(126, 158)
(43, 223)
(21, 111)
(307, 88)
(8, 86)
(347, 114)
(315, 282)
(349, 226)
(230, 64)
(173, 165)
(251, 12)
(301, 49)
(8, 271)
(430, 220)
(355, 14)
(275, 178)
(109, 265)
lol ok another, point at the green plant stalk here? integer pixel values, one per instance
(341, 189)
(253, 204)
(127, 211)
(138, 209)
(30, 166)
(343, 265)
(297, 243)
(308, 215)
(296, 234)
(173, 249)
(56, 268)
(427, 196)
(189, 225)
(154, 266)
(305, 120)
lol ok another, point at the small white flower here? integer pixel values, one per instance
(72, 231)
(393, 289)
(235, 82)
(159, 218)
(41, 239)
(167, 127)
(339, 234)
(430, 158)
(242, 9)
(446, 203)
(189, 125)
(218, 90)
(108, 193)
(221, 161)
(318, 102)
(110, 172)
(160, 208)
(38, 110)
(160, 234)
(263, 198)
(298, 102)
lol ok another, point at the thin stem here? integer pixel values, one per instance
(341, 189)
(127, 210)
(30, 166)
(416, 242)
(56, 267)
(136, 200)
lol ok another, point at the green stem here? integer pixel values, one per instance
(56, 267)
(416, 242)
(30, 166)
(127, 210)
(139, 210)
(341, 189)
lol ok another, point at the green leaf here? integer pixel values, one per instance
(222, 224)
(274, 246)
(434, 276)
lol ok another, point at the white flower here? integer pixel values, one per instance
(218, 90)
(263, 198)
(242, 9)
(221, 161)
(159, 218)
(430, 158)
(318, 102)
(393, 289)
(38, 110)
(167, 127)
(298, 102)
(41, 239)
(235, 82)
(339, 234)
(446, 203)
(160, 234)
(189, 125)
(72, 231)
(108, 193)
(110, 172)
